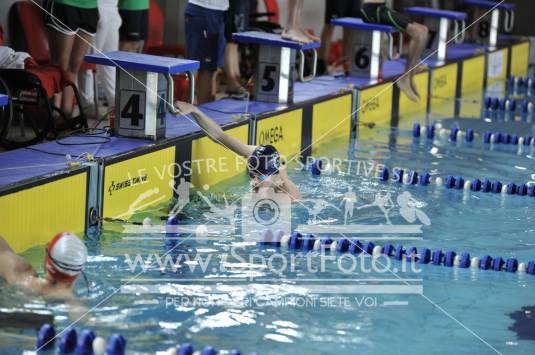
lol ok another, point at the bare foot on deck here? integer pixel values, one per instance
(404, 84)
(414, 87)
(295, 35)
(312, 37)
(420, 68)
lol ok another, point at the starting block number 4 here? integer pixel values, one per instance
(133, 109)
(144, 90)
(132, 112)
(141, 102)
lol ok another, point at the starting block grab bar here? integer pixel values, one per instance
(509, 20)
(171, 92)
(390, 37)
(301, 73)
(459, 31)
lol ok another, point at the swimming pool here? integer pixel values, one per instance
(226, 300)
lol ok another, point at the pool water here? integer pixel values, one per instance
(248, 306)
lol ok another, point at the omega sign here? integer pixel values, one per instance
(271, 135)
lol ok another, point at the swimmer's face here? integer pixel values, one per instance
(58, 280)
(272, 181)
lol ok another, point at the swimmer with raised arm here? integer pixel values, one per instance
(264, 164)
(64, 261)
(376, 11)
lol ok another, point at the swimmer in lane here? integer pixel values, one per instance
(264, 165)
(65, 257)
(376, 11)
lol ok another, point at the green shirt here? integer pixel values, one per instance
(134, 4)
(85, 4)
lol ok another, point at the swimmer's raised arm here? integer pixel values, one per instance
(214, 131)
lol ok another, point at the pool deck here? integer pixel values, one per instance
(224, 112)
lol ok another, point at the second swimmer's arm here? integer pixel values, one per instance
(288, 186)
(215, 131)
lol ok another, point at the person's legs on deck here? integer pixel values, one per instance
(60, 54)
(107, 40)
(205, 42)
(71, 30)
(379, 13)
(325, 49)
(292, 31)
(134, 27)
(418, 39)
(237, 21)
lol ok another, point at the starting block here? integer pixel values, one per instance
(366, 41)
(144, 90)
(4, 100)
(438, 22)
(489, 26)
(275, 65)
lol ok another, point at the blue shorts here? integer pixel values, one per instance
(205, 36)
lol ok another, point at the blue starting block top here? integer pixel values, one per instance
(143, 62)
(489, 4)
(3, 100)
(358, 24)
(271, 39)
(429, 12)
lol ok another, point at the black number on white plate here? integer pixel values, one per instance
(268, 83)
(132, 110)
(362, 59)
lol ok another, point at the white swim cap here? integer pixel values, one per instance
(65, 257)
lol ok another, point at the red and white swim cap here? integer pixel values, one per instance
(65, 257)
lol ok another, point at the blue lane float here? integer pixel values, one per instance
(503, 107)
(116, 345)
(88, 343)
(457, 182)
(315, 167)
(45, 338)
(454, 135)
(518, 84)
(422, 255)
(68, 340)
(416, 130)
(84, 345)
(465, 260)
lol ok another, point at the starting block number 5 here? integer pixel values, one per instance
(269, 76)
